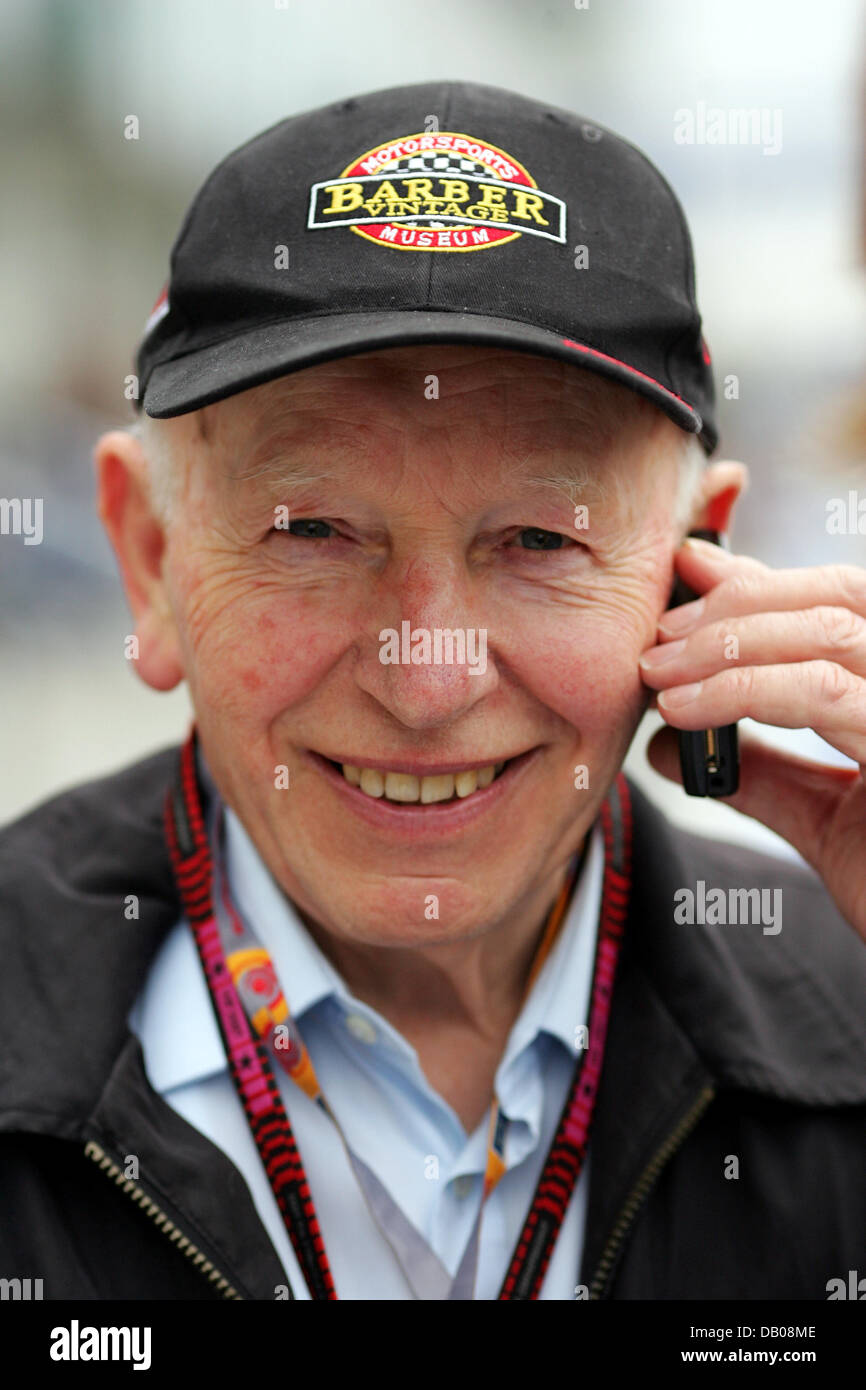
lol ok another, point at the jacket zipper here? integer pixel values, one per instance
(636, 1198)
(169, 1228)
(622, 1225)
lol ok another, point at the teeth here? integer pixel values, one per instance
(465, 783)
(403, 786)
(437, 788)
(372, 782)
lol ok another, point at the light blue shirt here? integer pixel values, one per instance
(391, 1116)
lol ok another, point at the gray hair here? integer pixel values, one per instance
(693, 461)
(163, 471)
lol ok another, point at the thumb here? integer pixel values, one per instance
(791, 795)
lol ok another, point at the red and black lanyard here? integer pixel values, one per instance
(257, 1030)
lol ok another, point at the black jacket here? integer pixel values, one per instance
(724, 1043)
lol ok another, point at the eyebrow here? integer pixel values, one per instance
(291, 475)
(586, 476)
(588, 473)
(275, 458)
(574, 483)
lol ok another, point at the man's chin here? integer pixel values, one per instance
(420, 922)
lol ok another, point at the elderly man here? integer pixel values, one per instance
(388, 984)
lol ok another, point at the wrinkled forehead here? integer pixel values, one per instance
(524, 395)
(506, 421)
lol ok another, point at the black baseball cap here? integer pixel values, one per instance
(442, 212)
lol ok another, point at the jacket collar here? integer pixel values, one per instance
(88, 898)
(700, 1008)
(777, 1015)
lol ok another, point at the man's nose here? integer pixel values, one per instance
(426, 657)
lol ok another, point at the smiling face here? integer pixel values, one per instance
(436, 512)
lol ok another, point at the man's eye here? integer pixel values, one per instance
(311, 527)
(534, 538)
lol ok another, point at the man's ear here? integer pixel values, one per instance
(138, 538)
(721, 485)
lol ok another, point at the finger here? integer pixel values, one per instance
(759, 639)
(704, 560)
(732, 585)
(819, 695)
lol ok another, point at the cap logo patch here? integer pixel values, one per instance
(440, 191)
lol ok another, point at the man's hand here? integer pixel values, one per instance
(784, 647)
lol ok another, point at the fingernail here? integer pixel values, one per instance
(684, 618)
(709, 547)
(679, 695)
(658, 656)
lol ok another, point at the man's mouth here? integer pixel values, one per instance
(405, 787)
(397, 787)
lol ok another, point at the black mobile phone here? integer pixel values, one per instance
(709, 758)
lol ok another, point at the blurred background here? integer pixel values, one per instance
(87, 219)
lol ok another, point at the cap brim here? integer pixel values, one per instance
(267, 352)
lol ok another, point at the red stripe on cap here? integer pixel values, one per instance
(159, 310)
(603, 357)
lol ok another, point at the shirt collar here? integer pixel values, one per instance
(175, 996)
(558, 1003)
(303, 970)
